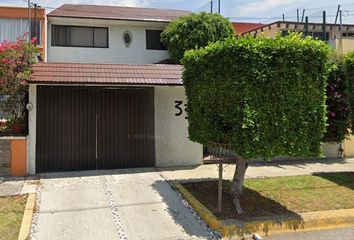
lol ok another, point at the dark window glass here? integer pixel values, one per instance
(153, 40)
(36, 31)
(76, 36)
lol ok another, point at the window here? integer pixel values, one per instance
(127, 38)
(153, 41)
(77, 36)
(36, 31)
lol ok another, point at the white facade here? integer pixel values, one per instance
(117, 52)
(173, 147)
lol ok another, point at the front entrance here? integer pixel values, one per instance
(94, 128)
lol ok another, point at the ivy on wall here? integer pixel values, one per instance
(349, 65)
(264, 96)
(338, 110)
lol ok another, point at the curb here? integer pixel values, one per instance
(273, 225)
(27, 217)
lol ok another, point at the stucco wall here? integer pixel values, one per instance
(173, 148)
(117, 52)
(343, 46)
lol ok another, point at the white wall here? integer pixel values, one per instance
(117, 52)
(173, 148)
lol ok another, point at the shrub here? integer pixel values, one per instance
(16, 60)
(194, 31)
(263, 96)
(338, 110)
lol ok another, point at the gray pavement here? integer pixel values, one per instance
(269, 169)
(139, 203)
(118, 204)
(332, 234)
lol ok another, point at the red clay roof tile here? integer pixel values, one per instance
(117, 13)
(83, 73)
(241, 27)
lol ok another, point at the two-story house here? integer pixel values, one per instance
(103, 100)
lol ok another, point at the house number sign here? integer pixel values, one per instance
(180, 107)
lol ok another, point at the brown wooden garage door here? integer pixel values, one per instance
(90, 128)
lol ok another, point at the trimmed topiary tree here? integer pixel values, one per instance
(265, 97)
(338, 111)
(195, 31)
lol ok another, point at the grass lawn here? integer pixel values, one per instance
(11, 212)
(280, 195)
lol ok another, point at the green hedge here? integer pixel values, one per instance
(264, 96)
(349, 64)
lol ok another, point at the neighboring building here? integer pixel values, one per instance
(333, 34)
(100, 102)
(242, 27)
(14, 23)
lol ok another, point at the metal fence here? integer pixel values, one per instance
(13, 112)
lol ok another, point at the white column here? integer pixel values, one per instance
(31, 140)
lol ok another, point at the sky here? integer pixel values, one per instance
(264, 11)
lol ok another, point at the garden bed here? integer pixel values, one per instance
(274, 196)
(11, 213)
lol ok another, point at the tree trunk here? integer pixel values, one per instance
(237, 182)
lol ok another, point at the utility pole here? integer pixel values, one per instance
(211, 6)
(341, 32)
(283, 17)
(297, 14)
(306, 26)
(219, 7)
(324, 26)
(338, 9)
(303, 15)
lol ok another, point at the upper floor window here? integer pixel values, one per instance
(78, 36)
(11, 29)
(153, 40)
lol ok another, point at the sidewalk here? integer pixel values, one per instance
(268, 169)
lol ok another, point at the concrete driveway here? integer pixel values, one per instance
(119, 204)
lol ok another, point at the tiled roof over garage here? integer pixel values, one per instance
(80, 73)
(117, 13)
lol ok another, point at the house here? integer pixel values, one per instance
(340, 39)
(14, 23)
(101, 101)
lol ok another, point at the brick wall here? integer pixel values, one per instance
(5, 161)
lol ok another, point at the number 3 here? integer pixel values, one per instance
(178, 107)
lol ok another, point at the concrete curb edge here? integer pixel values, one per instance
(304, 222)
(27, 217)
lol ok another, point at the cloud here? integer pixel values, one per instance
(256, 7)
